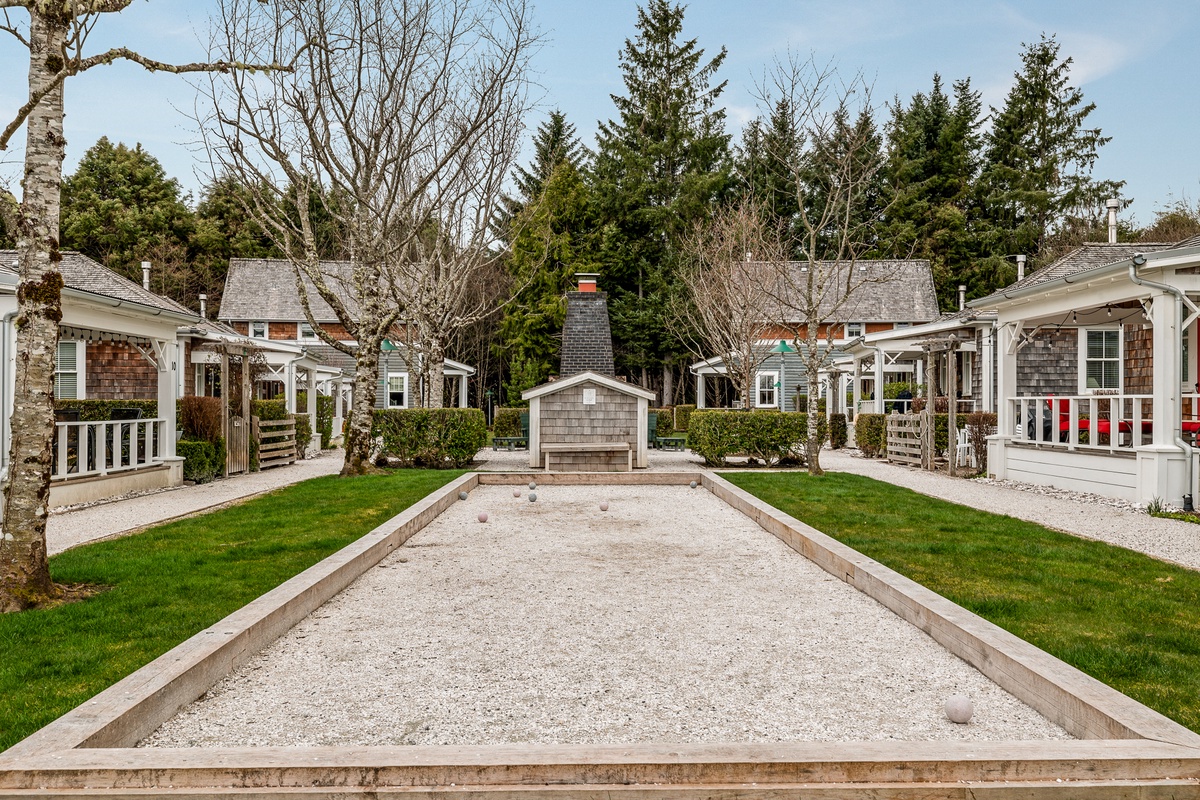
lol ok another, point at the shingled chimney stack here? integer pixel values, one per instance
(587, 338)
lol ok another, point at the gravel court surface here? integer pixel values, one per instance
(670, 618)
(1086, 516)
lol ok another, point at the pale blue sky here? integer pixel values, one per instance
(1136, 61)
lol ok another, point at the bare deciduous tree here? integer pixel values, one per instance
(384, 124)
(830, 165)
(732, 265)
(55, 36)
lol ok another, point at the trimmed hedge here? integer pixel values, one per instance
(440, 438)
(507, 422)
(325, 409)
(100, 410)
(269, 409)
(664, 424)
(202, 461)
(304, 434)
(837, 431)
(769, 436)
(683, 413)
(870, 434)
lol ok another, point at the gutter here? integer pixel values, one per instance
(1181, 300)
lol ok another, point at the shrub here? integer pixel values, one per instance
(870, 434)
(664, 424)
(981, 425)
(802, 403)
(431, 437)
(325, 409)
(766, 435)
(200, 418)
(682, 415)
(507, 422)
(837, 431)
(269, 409)
(100, 410)
(304, 434)
(202, 461)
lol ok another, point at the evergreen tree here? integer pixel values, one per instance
(765, 159)
(224, 230)
(933, 160)
(1037, 177)
(554, 143)
(658, 167)
(553, 239)
(120, 208)
(8, 220)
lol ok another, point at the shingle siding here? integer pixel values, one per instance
(1049, 364)
(587, 338)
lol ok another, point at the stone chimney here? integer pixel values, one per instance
(587, 338)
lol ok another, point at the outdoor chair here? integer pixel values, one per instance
(652, 430)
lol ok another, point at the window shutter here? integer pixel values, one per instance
(66, 372)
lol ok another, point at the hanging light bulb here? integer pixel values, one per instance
(1109, 310)
(1074, 317)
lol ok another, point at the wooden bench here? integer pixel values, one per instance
(549, 450)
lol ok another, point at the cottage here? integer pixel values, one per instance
(1097, 372)
(889, 295)
(119, 341)
(260, 301)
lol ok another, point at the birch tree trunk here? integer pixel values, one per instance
(362, 411)
(436, 372)
(25, 580)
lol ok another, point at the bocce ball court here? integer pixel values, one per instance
(663, 647)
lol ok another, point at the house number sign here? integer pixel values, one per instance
(589, 397)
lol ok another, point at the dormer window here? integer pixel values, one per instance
(258, 330)
(854, 330)
(307, 332)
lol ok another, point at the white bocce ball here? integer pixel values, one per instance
(604, 505)
(959, 709)
(516, 492)
(483, 516)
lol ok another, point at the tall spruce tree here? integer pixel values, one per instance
(1039, 156)
(658, 167)
(554, 143)
(934, 153)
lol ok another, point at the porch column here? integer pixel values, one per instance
(700, 401)
(1006, 380)
(336, 387)
(857, 387)
(1168, 411)
(462, 391)
(986, 363)
(879, 362)
(168, 379)
(311, 389)
(289, 386)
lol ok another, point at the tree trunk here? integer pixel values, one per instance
(812, 368)
(358, 433)
(435, 369)
(668, 392)
(24, 570)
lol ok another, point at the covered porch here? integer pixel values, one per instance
(1097, 379)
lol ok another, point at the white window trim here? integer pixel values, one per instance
(80, 370)
(1083, 359)
(774, 376)
(901, 325)
(1188, 385)
(300, 337)
(387, 389)
(861, 329)
(266, 329)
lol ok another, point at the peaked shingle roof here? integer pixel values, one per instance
(894, 290)
(1085, 257)
(84, 274)
(264, 289)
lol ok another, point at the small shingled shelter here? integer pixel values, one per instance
(588, 423)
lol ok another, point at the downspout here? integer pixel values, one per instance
(1182, 300)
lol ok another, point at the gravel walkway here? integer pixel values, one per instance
(1070, 512)
(670, 618)
(70, 528)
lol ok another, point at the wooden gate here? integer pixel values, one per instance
(237, 446)
(904, 439)
(276, 441)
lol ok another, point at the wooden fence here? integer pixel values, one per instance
(904, 439)
(276, 441)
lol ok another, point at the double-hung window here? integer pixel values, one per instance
(258, 330)
(306, 332)
(766, 394)
(854, 330)
(397, 390)
(1101, 357)
(68, 371)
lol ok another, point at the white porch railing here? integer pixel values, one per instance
(1097, 423)
(100, 448)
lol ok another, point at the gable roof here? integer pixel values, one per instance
(264, 290)
(87, 275)
(584, 377)
(885, 290)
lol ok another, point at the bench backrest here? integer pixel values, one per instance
(652, 426)
(525, 424)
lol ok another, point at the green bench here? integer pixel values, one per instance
(514, 442)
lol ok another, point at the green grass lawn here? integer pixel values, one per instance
(1122, 617)
(177, 579)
